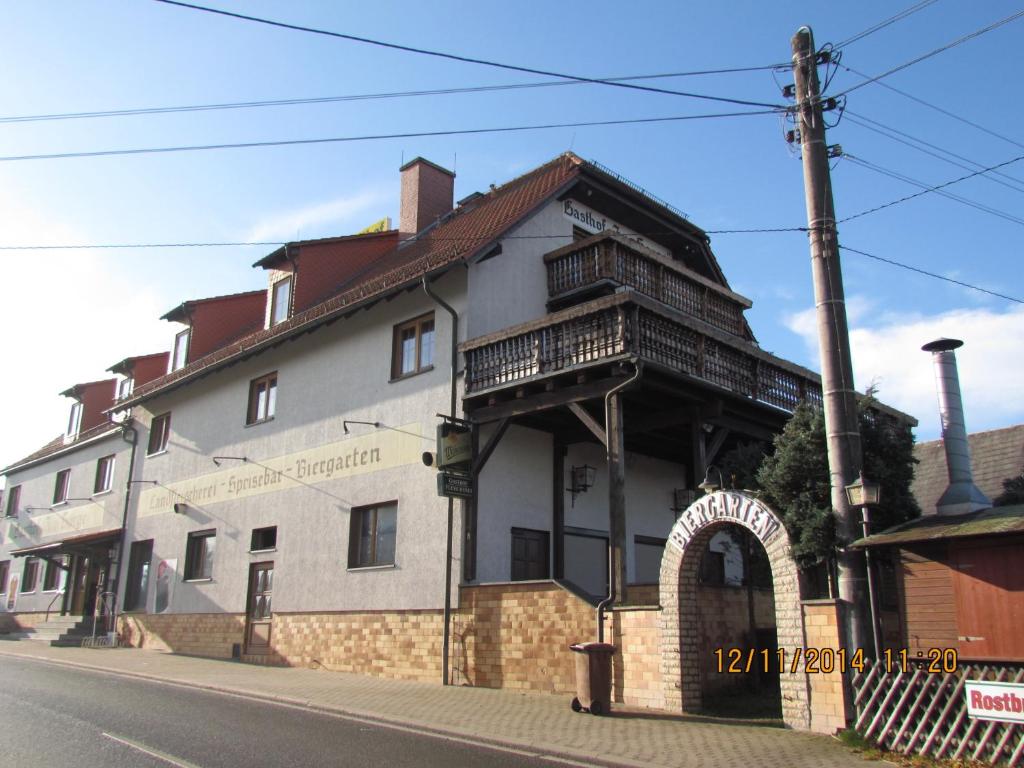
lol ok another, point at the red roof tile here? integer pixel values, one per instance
(57, 445)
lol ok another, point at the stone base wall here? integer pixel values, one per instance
(636, 665)
(828, 703)
(517, 635)
(16, 622)
(724, 622)
(192, 634)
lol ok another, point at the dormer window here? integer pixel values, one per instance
(280, 301)
(74, 421)
(180, 356)
(124, 388)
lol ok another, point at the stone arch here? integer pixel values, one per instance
(680, 645)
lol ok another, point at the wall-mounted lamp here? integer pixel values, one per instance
(681, 499)
(36, 509)
(709, 485)
(582, 480)
(180, 508)
(374, 424)
(218, 459)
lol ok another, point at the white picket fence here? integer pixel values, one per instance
(917, 712)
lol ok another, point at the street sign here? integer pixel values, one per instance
(456, 486)
(991, 700)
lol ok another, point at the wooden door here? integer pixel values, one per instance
(258, 608)
(990, 601)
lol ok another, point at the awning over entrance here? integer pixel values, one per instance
(75, 545)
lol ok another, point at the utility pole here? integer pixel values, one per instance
(839, 397)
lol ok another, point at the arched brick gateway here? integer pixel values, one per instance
(679, 637)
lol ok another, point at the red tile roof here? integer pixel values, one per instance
(57, 445)
(458, 236)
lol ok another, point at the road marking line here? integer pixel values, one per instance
(151, 752)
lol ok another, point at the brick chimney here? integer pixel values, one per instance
(427, 193)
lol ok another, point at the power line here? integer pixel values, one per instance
(351, 97)
(958, 198)
(883, 24)
(378, 137)
(931, 274)
(940, 154)
(945, 112)
(925, 191)
(465, 59)
(946, 47)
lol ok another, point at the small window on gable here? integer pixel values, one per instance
(262, 399)
(124, 388)
(13, 501)
(60, 486)
(104, 474)
(280, 301)
(74, 420)
(413, 350)
(263, 539)
(159, 432)
(180, 357)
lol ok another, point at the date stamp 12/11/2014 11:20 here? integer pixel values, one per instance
(828, 660)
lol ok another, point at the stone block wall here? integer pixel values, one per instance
(16, 622)
(828, 704)
(193, 634)
(636, 665)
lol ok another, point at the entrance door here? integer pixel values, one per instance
(85, 579)
(257, 611)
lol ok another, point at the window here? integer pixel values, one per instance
(371, 539)
(5, 567)
(74, 420)
(530, 557)
(13, 501)
(199, 555)
(124, 388)
(413, 347)
(104, 474)
(263, 539)
(262, 399)
(180, 356)
(51, 576)
(60, 487)
(30, 575)
(280, 301)
(138, 575)
(648, 551)
(159, 431)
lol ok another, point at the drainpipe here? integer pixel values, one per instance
(125, 430)
(445, 677)
(611, 559)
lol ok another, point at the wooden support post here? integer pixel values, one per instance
(558, 453)
(617, 495)
(698, 451)
(470, 510)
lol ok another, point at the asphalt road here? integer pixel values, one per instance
(63, 716)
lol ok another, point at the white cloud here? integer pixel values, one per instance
(340, 213)
(886, 350)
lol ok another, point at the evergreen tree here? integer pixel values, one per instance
(1013, 492)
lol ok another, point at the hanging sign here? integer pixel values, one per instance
(987, 700)
(12, 593)
(454, 485)
(454, 446)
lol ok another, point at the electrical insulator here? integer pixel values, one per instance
(789, 91)
(792, 136)
(835, 150)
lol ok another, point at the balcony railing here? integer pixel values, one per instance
(627, 324)
(613, 258)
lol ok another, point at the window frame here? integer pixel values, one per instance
(256, 532)
(34, 562)
(524, 533)
(108, 476)
(165, 420)
(61, 486)
(13, 501)
(74, 420)
(49, 572)
(199, 555)
(185, 335)
(275, 290)
(397, 356)
(5, 574)
(252, 415)
(355, 535)
(125, 387)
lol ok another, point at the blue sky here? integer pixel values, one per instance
(69, 314)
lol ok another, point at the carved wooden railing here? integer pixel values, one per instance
(627, 324)
(611, 257)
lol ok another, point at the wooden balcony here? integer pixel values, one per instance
(628, 324)
(585, 268)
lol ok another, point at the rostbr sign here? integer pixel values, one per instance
(988, 700)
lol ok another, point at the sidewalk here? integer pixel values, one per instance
(536, 723)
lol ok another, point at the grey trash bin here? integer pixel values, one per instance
(593, 677)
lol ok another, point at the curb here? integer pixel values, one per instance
(532, 749)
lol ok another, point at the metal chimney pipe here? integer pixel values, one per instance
(962, 495)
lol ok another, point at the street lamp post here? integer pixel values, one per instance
(862, 494)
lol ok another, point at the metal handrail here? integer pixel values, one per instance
(104, 607)
(60, 593)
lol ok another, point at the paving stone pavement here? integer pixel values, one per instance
(538, 723)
